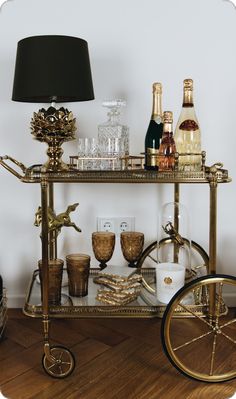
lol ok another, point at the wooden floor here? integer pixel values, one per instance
(115, 358)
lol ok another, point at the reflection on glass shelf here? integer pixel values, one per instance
(66, 300)
(89, 306)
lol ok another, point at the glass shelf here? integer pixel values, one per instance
(145, 306)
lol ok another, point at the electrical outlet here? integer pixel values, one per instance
(116, 224)
(125, 224)
(105, 224)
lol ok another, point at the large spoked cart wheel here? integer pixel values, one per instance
(199, 330)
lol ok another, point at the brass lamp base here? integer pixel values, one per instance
(54, 162)
(54, 126)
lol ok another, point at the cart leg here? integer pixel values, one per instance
(44, 237)
(47, 351)
(52, 234)
(212, 242)
(176, 221)
(213, 226)
(57, 361)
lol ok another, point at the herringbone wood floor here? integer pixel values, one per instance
(115, 359)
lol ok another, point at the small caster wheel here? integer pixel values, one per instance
(63, 363)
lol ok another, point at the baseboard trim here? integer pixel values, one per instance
(230, 300)
(15, 301)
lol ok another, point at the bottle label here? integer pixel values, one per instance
(189, 124)
(152, 157)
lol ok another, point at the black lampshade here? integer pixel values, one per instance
(52, 68)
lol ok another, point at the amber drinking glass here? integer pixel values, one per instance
(55, 270)
(78, 273)
(132, 246)
(103, 243)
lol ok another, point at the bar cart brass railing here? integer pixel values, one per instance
(58, 361)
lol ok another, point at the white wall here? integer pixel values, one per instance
(132, 43)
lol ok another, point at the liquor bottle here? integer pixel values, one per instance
(167, 147)
(187, 133)
(113, 130)
(155, 129)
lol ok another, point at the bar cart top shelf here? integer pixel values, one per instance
(37, 174)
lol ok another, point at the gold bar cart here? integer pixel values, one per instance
(207, 309)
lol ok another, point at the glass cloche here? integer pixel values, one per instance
(174, 241)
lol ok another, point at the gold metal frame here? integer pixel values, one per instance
(38, 174)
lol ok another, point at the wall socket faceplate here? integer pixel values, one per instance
(116, 224)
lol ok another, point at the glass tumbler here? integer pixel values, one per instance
(78, 266)
(55, 270)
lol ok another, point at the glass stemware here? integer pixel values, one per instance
(132, 246)
(103, 243)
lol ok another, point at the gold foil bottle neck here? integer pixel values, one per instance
(157, 88)
(188, 93)
(168, 117)
(188, 84)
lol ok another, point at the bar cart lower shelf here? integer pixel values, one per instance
(145, 306)
(190, 309)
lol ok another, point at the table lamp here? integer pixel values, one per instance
(53, 69)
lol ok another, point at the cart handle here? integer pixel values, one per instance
(10, 169)
(216, 166)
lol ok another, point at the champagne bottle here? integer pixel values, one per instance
(155, 129)
(167, 147)
(187, 133)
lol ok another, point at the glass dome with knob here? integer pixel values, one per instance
(174, 243)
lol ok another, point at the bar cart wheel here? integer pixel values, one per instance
(205, 351)
(61, 364)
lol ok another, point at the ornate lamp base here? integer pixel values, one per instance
(55, 152)
(54, 126)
